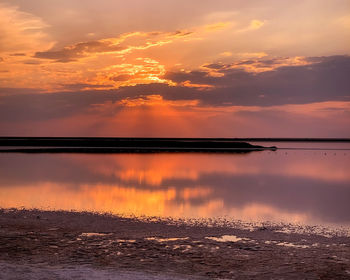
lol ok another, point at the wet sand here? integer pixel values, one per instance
(65, 245)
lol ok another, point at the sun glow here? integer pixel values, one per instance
(211, 70)
(143, 71)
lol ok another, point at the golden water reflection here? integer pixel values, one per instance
(299, 186)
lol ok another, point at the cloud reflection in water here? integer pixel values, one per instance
(301, 186)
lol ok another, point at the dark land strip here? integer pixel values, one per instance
(202, 139)
(124, 145)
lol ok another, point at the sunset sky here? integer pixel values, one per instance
(164, 68)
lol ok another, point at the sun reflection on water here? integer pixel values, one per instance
(261, 186)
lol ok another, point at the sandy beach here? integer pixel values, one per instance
(65, 245)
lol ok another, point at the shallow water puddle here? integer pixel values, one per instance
(288, 244)
(126, 240)
(166, 239)
(228, 238)
(93, 234)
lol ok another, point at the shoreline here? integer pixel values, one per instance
(221, 139)
(125, 145)
(140, 150)
(156, 247)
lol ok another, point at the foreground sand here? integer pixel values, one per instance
(65, 245)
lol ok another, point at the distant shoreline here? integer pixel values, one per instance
(132, 150)
(145, 145)
(220, 139)
(124, 145)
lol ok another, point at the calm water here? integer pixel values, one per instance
(300, 186)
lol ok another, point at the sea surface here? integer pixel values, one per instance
(301, 183)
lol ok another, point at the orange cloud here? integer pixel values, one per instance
(108, 63)
(21, 31)
(216, 26)
(226, 54)
(256, 24)
(194, 85)
(121, 45)
(142, 71)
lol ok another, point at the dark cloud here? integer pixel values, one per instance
(79, 50)
(246, 62)
(214, 66)
(182, 33)
(196, 77)
(325, 80)
(31, 105)
(18, 54)
(35, 107)
(32, 62)
(123, 77)
(82, 86)
(4, 91)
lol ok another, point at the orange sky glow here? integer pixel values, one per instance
(226, 69)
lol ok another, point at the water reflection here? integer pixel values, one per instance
(293, 186)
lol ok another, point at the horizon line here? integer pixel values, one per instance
(256, 139)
